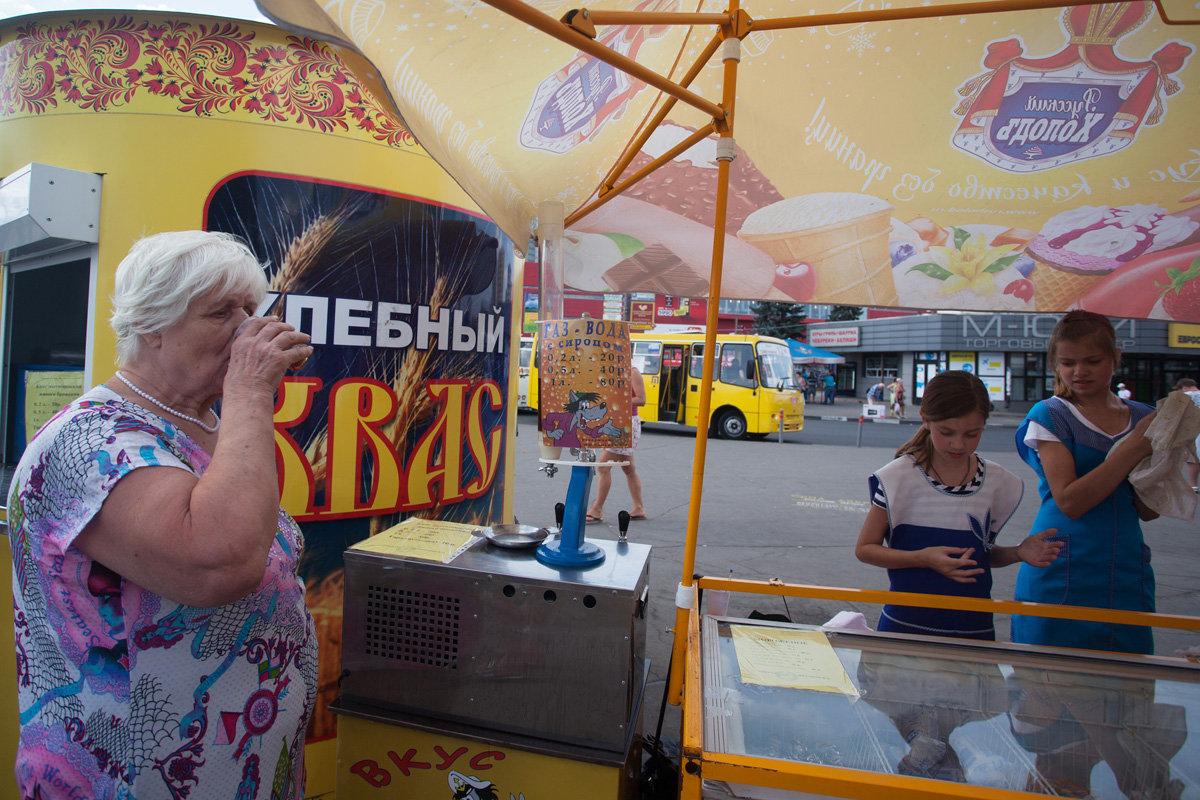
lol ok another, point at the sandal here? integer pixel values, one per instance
(589, 519)
(637, 516)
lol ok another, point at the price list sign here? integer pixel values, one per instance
(586, 398)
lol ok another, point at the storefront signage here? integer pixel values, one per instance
(1180, 334)
(641, 311)
(963, 361)
(834, 337)
(995, 388)
(614, 306)
(991, 365)
(1026, 331)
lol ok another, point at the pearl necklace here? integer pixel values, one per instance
(146, 396)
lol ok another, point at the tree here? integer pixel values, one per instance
(842, 313)
(785, 320)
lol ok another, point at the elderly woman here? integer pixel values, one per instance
(163, 645)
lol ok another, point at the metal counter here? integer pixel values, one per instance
(499, 641)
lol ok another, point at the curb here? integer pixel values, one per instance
(993, 423)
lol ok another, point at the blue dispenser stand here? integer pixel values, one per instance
(571, 550)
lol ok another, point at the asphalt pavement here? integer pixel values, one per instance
(793, 510)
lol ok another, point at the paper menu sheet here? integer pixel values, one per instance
(791, 659)
(424, 539)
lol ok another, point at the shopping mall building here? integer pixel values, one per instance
(1007, 351)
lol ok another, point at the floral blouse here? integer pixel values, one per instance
(124, 693)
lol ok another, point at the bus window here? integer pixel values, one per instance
(697, 365)
(526, 353)
(647, 357)
(775, 366)
(735, 365)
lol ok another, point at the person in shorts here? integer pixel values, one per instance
(595, 512)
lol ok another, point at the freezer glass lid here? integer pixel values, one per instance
(979, 713)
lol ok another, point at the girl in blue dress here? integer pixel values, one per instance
(1085, 494)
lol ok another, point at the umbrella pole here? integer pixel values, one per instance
(685, 596)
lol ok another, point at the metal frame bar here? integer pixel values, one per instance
(704, 407)
(652, 18)
(879, 597)
(568, 35)
(665, 158)
(635, 145)
(840, 781)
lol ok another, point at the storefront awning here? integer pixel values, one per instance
(807, 354)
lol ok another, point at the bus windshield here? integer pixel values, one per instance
(775, 365)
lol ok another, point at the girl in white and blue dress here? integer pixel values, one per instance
(935, 513)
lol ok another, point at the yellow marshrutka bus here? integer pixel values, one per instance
(753, 382)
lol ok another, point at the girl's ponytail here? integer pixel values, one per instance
(920, 447)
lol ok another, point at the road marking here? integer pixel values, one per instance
(830, 504)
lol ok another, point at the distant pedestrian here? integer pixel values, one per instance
(896, 397)
(1123, 392)
(876, 392)
(810, 386)
(802, 384)
(830, 388)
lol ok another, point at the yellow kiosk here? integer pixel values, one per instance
(115, 125)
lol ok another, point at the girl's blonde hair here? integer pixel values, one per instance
(949, 395)
(1082, 326)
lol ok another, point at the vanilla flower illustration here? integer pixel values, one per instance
(970, 264)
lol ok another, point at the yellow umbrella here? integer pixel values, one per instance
(1018, 155)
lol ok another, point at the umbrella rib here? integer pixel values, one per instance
(568, 35)
(636, 144)
(665, 158)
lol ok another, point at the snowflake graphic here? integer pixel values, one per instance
(860, 42)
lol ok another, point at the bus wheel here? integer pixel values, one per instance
(732, 425)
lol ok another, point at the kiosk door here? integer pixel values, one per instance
(671, 382)
(45, 331)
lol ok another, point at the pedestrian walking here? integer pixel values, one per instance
(830, 388)
(897, 397)
(810, 386)
(595, 512)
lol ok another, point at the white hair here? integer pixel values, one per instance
(164, 273)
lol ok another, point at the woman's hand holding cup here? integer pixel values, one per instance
(263, 349)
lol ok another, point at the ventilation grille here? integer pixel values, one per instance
(418, 627)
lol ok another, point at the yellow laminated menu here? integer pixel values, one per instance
(425, 539)
(791, 659)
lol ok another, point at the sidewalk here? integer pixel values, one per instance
(847, 409)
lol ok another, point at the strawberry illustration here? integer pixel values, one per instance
(1021, 289)
(1181, 297)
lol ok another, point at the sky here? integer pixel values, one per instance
(235, 9)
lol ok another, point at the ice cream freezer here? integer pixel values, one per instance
(492, 669)
(1027, 720)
